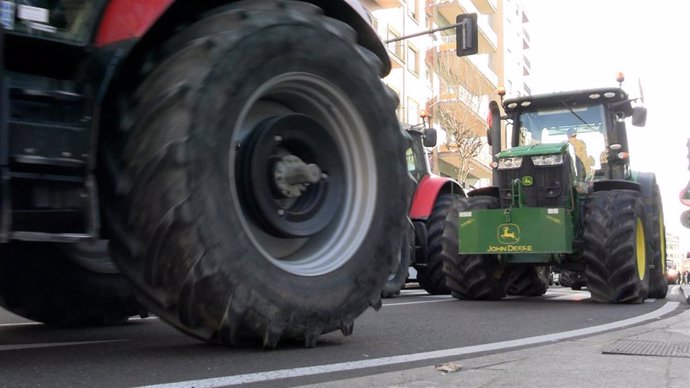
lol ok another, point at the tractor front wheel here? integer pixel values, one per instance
(431, 278)
(616, 247)
(480, 277)
(658, 283)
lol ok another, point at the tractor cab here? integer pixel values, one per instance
(590, 123)
(421, 136)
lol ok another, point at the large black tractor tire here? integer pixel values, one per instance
(431, 278)
(63, 285)
(400, 266)
(261, 190)
(524, 280)
(616, 248)
(658, 283)
(478, 277)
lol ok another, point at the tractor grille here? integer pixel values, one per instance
(551, 187)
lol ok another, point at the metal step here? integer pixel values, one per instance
(47, 125)
(43, 207)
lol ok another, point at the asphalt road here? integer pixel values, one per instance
(411, 330)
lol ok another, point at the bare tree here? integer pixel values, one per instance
(456, 108)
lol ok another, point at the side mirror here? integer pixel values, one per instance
(639, 116)
(430, 137)
(466, 34)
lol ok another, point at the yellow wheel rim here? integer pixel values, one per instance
(640, 251)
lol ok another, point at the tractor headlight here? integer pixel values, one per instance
(509, 163)
(547, 160)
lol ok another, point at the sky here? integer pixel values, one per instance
(580, 44)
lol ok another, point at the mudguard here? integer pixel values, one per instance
(427, 191)
(143, 16)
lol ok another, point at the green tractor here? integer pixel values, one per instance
(563, 196)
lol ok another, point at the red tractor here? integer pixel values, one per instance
(234, 167)
(431, 204)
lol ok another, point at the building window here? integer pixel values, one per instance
(397, 48)
(413, 59)
(413, 9)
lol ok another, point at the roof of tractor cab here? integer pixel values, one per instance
(570, 99)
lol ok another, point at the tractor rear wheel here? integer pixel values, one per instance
(64, 284)
(616, 248)
(400, 266)
(480, 277)
(431, 278)
(259, 186)
(528, 280)
(658, 283)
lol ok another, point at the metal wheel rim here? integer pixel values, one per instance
(334, 245)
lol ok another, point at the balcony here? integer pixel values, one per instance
(388, 3)
(485, 7)
(443, 55)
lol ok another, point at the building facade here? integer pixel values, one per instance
(428, 76)
(675, 256)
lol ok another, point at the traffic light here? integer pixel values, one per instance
(466, 34)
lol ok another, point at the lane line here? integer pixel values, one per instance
(4, 348)
(401, 359)
(19, 324)
(421, 301)
(39, 323)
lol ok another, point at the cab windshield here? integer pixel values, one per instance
(416, 157)
(65, 20)
(584, 128)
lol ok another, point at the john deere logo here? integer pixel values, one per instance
(527, 181)
(508, 234)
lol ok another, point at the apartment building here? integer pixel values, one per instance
(427, 75)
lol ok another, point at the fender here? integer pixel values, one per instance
(142, 16)
(427, 191)
(616, 184)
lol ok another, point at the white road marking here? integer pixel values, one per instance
(401, 359)
(19, 324)
(39, 323)
(54, 344)
(449, 299)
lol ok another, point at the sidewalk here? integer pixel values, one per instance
(661, 359)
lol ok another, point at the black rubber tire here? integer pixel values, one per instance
(526, 280)
(400, 267)
(431, 278)
(615, 252)
(38, 281)
(187, 229)
(658, 283)
(478, 277)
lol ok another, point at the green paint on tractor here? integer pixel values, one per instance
(534, 150)
(515, 231)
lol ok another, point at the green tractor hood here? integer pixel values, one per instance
(534, 150)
